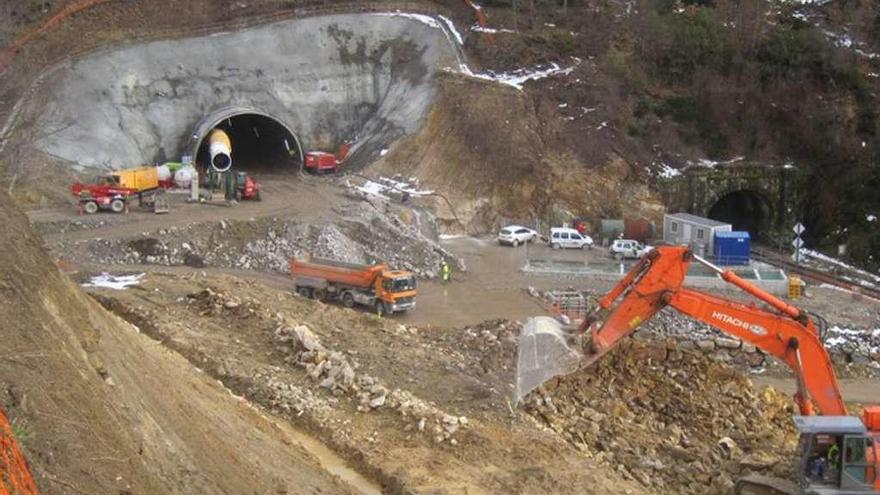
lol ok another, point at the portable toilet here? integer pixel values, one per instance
(732, 248)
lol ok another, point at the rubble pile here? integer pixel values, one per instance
(363, 235)
(209, 303)
(675, 421)
(337, 373)
(856, 344)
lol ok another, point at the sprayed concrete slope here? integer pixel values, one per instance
(328, 79)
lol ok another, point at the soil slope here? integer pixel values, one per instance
(485, 148)
(100, 408)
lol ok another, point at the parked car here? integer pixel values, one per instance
(515, 235)
(627, 248)
(561, 238)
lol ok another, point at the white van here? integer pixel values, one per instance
(561, 237)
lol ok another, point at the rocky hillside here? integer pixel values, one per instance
(667, 83)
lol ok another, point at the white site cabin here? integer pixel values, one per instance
(694, 231)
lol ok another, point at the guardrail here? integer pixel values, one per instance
(772, 279)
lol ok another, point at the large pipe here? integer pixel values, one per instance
(221, 150)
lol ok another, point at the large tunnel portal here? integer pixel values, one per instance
(259, 144)
(745, 210)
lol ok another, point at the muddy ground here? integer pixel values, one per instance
(411, 386)
(420, 402)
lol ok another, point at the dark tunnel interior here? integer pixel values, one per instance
(745, 210)
(259, 144)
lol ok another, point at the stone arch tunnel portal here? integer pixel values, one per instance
(260, 143)
(745, 210)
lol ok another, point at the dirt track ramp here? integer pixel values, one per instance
(103, 409)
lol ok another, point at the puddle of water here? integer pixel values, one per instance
(334, 464)
(327, 459)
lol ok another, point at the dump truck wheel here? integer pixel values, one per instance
(117, 206)
(348, 300)
(305, 292)
(90, 207)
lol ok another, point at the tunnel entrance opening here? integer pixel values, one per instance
(259, 144)
(745, 210)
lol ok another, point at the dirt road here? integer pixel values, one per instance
(286, 195)
(858, 390)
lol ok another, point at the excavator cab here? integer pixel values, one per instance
(838, 455)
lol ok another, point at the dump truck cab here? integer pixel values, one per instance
(397, 289)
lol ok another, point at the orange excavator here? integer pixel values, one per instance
(839, 452)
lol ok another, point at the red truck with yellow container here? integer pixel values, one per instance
(375, 286)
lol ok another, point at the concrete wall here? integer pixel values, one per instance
(328, 79)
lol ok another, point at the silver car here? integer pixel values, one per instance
(514, 235)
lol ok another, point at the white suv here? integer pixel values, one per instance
(569, 238)
(625, 248)
(516, 235)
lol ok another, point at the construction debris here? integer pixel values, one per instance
(672, 420)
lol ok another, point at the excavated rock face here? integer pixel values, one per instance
(327, 79)
(675, 421)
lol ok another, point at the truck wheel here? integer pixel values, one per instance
(305, 292)
(348, 300)
(381, 308)
(90, 207)
(117, 206)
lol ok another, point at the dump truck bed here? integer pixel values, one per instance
(336, 272)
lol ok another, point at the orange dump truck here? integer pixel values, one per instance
(375, 286)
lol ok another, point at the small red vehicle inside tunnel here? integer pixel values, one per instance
(259, 144)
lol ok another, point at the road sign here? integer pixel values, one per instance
(797, 243)
(799, 228)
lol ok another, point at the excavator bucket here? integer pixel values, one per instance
(546, 349)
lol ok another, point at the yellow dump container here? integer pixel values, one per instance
(142, 178)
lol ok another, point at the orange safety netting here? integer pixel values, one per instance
(15, 477)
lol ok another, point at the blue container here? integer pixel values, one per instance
(732, 248)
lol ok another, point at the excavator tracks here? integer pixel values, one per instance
(756, 484)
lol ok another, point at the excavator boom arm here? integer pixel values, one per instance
(796, 345)
(656, 282)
